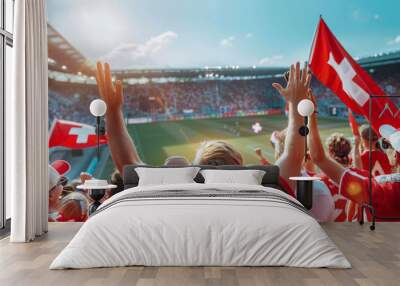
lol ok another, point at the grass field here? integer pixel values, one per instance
(157, 141)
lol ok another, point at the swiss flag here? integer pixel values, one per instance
(73, 135)
(337, 70)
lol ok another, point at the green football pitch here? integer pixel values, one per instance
(159, 140)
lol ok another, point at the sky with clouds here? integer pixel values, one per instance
(193, 33)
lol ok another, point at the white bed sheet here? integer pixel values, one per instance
(200, 232)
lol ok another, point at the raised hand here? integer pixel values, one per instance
(260, 156)
(121, 146)
(298, 84)
(311, 96)
(110, 93)
(85, 176)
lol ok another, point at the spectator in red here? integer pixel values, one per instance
(55, 189)
(354, 183)
(261, 157)
(380, 161)
(74, 208)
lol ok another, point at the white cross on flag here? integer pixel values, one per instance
(337, 70)
(73, 135)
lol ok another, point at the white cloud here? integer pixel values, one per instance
(394, 41)
(249, 35)
(227, 42)
(131, 54)
(273, 60)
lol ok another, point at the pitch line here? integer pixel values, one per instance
(184, 135)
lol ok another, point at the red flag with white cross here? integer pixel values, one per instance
(332, 65)
(73, 135)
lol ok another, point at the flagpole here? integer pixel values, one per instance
(314, 39)
(371, 208)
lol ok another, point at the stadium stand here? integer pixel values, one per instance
(69, 98)
(70, 101)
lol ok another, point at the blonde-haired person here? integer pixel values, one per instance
(123, 150)
(217, 153)
(278, 142)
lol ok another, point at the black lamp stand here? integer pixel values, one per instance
(305, 193)
(98, 137)
(96, 194)
(304, 132)
(305, 187)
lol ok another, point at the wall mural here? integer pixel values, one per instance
(173, 91)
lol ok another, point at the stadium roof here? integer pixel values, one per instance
(211, 72)
(380, 59)
(64, 57)
(66, 63)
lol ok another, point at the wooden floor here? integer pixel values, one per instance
(375, 257)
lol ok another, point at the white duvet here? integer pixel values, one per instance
(202, 231)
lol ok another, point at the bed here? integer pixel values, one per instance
(198, 224)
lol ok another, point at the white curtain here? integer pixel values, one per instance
(27, 123)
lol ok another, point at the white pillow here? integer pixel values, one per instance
(166, 176)
(247, 177)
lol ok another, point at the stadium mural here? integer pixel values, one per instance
(161, 112)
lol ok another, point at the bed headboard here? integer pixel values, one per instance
(270, 179)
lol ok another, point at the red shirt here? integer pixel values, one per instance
(345, 209)
(62, 218)
(385, 191)
(380, 162)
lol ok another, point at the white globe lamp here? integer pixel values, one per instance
(305, 107)
(98, 107)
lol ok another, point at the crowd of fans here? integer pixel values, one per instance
(70, 101)
(67, 203)
(332, 203)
